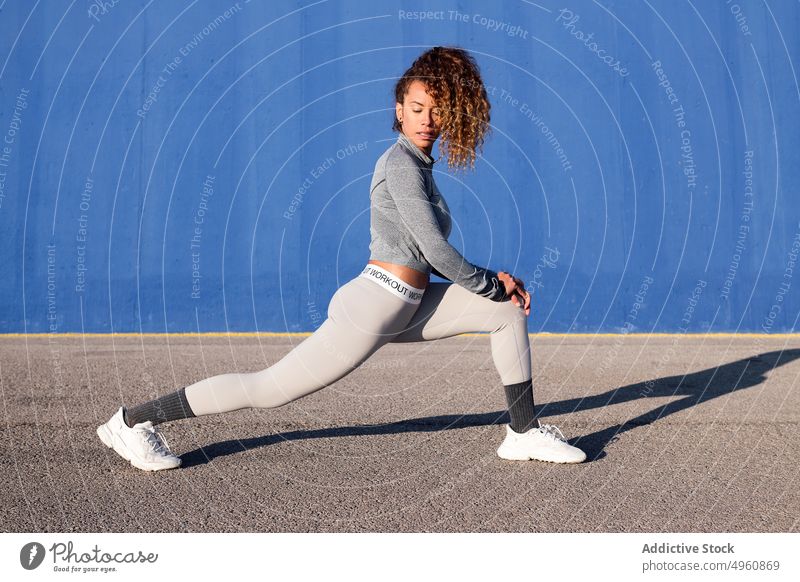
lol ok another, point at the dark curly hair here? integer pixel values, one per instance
(453, 80)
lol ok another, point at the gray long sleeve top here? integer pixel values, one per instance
(410, 221)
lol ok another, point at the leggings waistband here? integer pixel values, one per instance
(392, 283)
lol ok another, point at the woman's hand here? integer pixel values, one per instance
(515, 289)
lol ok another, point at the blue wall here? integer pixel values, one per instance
(205, 166)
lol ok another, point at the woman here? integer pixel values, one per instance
(391, 300)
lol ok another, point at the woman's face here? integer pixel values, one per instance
(419, 116)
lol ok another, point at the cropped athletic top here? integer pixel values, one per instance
(410, 221)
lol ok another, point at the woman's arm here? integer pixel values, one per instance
(406, 186)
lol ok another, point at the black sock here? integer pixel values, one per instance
(170, 407)
(521, 408)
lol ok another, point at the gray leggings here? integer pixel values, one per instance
(367, 312)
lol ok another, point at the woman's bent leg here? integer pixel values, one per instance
(448, 310)
(362, 317)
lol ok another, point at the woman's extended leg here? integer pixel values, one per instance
(362, 316)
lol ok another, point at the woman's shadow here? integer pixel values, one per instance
(693, 389)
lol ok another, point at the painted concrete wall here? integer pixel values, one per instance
(205, 166)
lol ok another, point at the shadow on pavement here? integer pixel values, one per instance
(695, 388)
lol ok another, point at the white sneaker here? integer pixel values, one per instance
(543, 443)
(142, 445)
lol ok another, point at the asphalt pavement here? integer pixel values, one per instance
(692, 433)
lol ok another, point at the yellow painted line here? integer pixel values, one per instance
(308, 333)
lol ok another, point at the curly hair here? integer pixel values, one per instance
(453, 80)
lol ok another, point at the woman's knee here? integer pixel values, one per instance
(508, 314)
